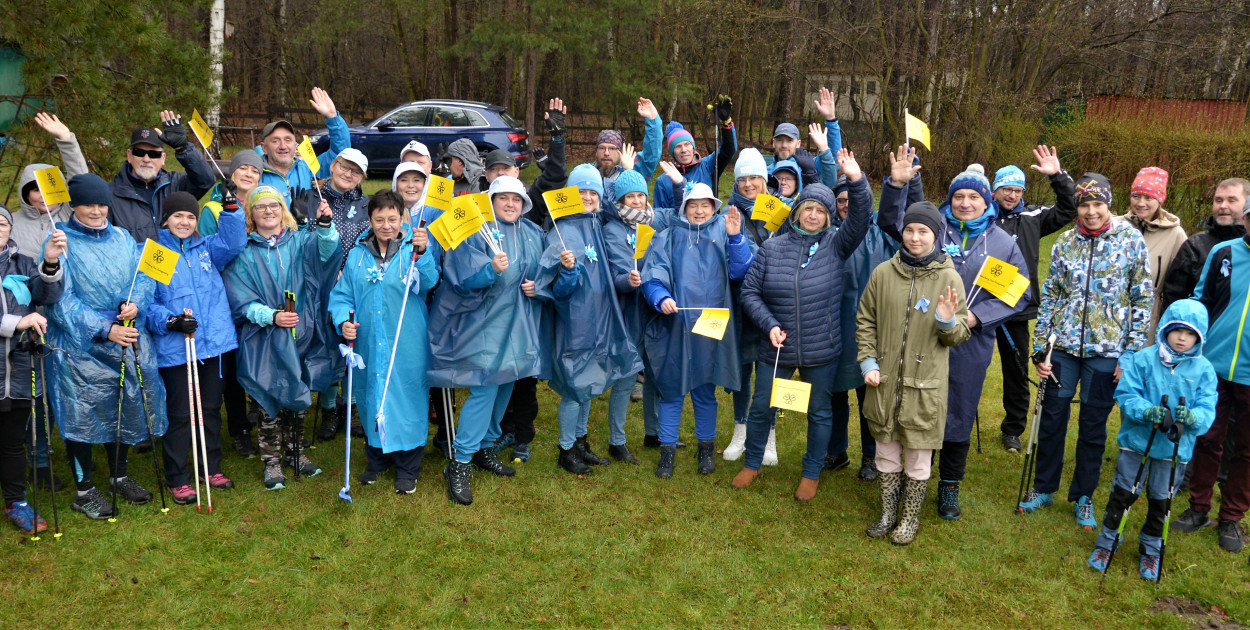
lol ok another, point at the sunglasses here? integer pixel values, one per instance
(148, 153)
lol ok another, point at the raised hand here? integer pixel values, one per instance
(1047, 160)
(733, 221)
(671, 171)
(647, 109)
(322, 102)
(172, 131)
(819, 136)
(53, 125)
(850, 167)
(556, 111)
(901, 169)
(827, 104)
(628, 155)
(948, 302)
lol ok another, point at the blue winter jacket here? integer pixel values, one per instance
(99, 266)
(196, 285)
(796, 283)
(1224, 287)
(300, 177)
(703, 170)
(815, 169)
(1147, 379)
(645, 164)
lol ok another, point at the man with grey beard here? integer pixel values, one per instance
(142, 183)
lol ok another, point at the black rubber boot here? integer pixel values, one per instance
(588, 456)
(664, 469)
(707, 457)
(571, 461)
(488, 461)
(621, 453)
(458, 476)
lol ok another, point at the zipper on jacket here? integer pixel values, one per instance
(902, 351)
(798, 315)
(1089, 268)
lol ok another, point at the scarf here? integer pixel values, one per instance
(632, 217)
(934, 254)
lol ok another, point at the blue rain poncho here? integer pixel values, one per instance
(622, 240)
(99, 265)
(483, 330)
(279, 371)
(590, 346)
(376, 292)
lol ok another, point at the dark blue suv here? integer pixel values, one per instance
(437, 124)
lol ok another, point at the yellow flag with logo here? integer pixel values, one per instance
(158, 261)
(792, 395)
(200, 128)
(563, 202)
(712, 323)
(1003, 280)
(309, 155)
(642, 240)
(483, 205)
(917, 130)
(439, 192)
(771, 210)
(459, 223)
(52, 186)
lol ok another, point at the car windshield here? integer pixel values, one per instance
(509, 120)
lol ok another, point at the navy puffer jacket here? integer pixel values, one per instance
(796, 282)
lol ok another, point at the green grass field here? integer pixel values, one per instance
(619, 548)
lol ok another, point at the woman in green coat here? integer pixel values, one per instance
(911, 313)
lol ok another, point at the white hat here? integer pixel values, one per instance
(701, 191)
(509, 184)
(416, 147)
(750, 163)
(355, 157)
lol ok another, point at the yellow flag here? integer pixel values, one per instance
(439, 192)
(792, 395)
(712, 323)
(461, 222)
(918, 131)
(309, 155)
(438, 230)
(1003, 280)
(771, 210)
(563, 202)
(483, 204)
(52, 186)
(642, 240)
(158, 261)
(200, 128)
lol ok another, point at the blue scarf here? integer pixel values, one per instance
(970, 229)
(16, 284)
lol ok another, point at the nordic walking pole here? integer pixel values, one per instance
(449, 407)
(47, 430)
(34, 463)
(380, 420)
(977, 420)
(147, 422)
(195, 448)
(345, 491)
(1119, 531)
(1174, 434)
(1030, 450)
(199, 415)
(117, 438)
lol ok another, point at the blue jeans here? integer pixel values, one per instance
(703, 399)
(478, 424)
(819, 414)
(618, 408)
(1096, 377)
(1157, 477)
(573, 417)
(839, 437)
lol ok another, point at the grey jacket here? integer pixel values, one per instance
(30, 228)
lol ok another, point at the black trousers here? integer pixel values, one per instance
(522, 410)
(1015, 379)
(14, 425)
(234, 396)
(79, 455)
(407, 463)
(176, 445)
(952, 461)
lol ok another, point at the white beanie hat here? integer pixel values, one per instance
(750, 163)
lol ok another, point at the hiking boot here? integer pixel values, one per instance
(664, 468)
(737, 444)
(948, 500)
(504, 441)
(486, 459)
(770, 449)
(273, 475)
(909, 519)
(458, 485)
(129, 490)
(21, 514)
(93, 504)
(744, 478)
(1012, 443)
(635, 394)
(806, 490)
(582, 446)
(1191, 521)
(143, 447)
(836, 462)
(867, 470)
(358, 430)
(368, 477)
(306, 467)
(621, 453)
(571, 461)
(1084, 509)
(219, 482)
(45, 479)
(1099, 558)
(1230, 536)
(183, 495)
(405, 486)
(1149, 568)
(707, 457)
(521, 453)
(329, 425)
(891, 484)
(651, 441)
(1034, 500)
(245, 446)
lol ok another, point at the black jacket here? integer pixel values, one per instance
(133, 212)
(553, 177)
(1187, 266)
(1028, 224)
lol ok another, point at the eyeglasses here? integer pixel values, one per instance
(1012, 190)
(842, 201)
(148, 153)
(351, 170)
(267, 207)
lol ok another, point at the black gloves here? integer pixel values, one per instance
(184, 324)
(724, 109)
(229, 202)
(555, 122)
(324, 221)
(174, 134)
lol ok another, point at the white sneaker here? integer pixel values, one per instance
(770, 450)
(738, 445)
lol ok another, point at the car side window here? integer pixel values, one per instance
(475, 119)
(410, 117)
(450, 117)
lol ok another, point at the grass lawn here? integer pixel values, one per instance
(618, 548)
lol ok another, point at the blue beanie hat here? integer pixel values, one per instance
(586, 177)
(819, 193)
(1009, 175)
(629, 182)
(973, 178)
(675, 134)
(88, 188)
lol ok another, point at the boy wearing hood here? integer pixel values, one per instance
(1170, 376)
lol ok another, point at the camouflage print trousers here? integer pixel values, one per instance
(285, 432)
